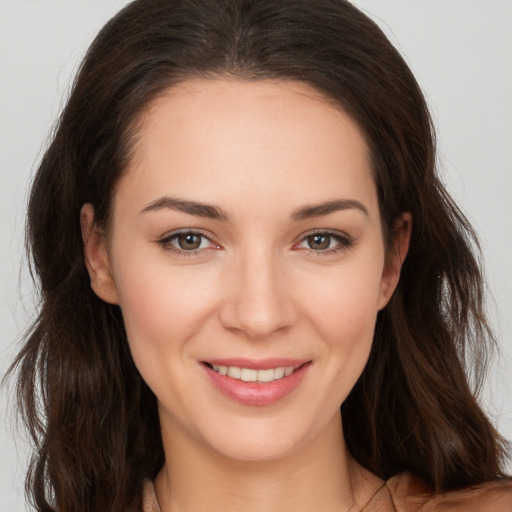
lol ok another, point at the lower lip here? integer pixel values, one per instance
(257, 393)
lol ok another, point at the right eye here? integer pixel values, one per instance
(186, 242)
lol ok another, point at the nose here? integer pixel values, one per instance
(259, 296)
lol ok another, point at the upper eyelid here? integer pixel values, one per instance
(329, 232)
(194, 231)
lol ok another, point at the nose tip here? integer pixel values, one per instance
(258, 302)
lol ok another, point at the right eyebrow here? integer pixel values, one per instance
(196, 208)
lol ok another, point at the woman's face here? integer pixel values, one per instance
(246, 239)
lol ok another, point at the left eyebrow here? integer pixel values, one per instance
(319, 210)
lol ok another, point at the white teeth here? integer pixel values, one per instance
(248, 375)
(234, 372)
(267, 375)
(279, 373)
(252, 375)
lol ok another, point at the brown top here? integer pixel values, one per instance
(406, 493)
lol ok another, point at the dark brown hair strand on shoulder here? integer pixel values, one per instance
(93, 420)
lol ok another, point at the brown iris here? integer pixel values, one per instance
(189, 241)
(319, 242)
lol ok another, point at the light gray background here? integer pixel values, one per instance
(461, 53)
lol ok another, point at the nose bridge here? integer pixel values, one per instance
(259, 303)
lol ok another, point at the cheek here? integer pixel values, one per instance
(353, 306)
(345, 300)
(162, 308)
(343, 312)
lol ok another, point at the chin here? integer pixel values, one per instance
(260, 449)
(261, 440)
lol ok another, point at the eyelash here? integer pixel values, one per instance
(166, 243)
(344, 242)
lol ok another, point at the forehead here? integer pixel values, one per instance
(223, 138)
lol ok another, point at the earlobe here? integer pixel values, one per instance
(96, 257)
(402, 228)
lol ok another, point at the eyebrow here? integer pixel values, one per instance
(191, 207)
(210, 211)
(319, 210)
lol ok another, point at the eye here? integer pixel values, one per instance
(187, 242)
(325, 242)
(320, 242)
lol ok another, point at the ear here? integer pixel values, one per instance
(96, 256)
(401, 233)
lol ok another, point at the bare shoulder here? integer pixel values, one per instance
(411, 494)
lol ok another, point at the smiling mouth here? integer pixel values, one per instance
(253, 375)
(256, 382)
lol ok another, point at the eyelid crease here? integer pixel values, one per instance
(186, 231)
(327, 232)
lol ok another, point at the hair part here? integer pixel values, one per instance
(412, 408)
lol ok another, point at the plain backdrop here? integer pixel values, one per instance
(461, 54)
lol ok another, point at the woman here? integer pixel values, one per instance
(238, 229)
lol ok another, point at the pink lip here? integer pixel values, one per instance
(257, 393)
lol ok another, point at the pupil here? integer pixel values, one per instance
(319, 241)
(189, 241)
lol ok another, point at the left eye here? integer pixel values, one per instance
(321, 242)
(188, 241)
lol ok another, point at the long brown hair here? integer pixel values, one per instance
(93, 420)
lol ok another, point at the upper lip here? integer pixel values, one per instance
(257, 364)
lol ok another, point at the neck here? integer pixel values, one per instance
(320, 476)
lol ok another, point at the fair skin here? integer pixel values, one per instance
(285, 266)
